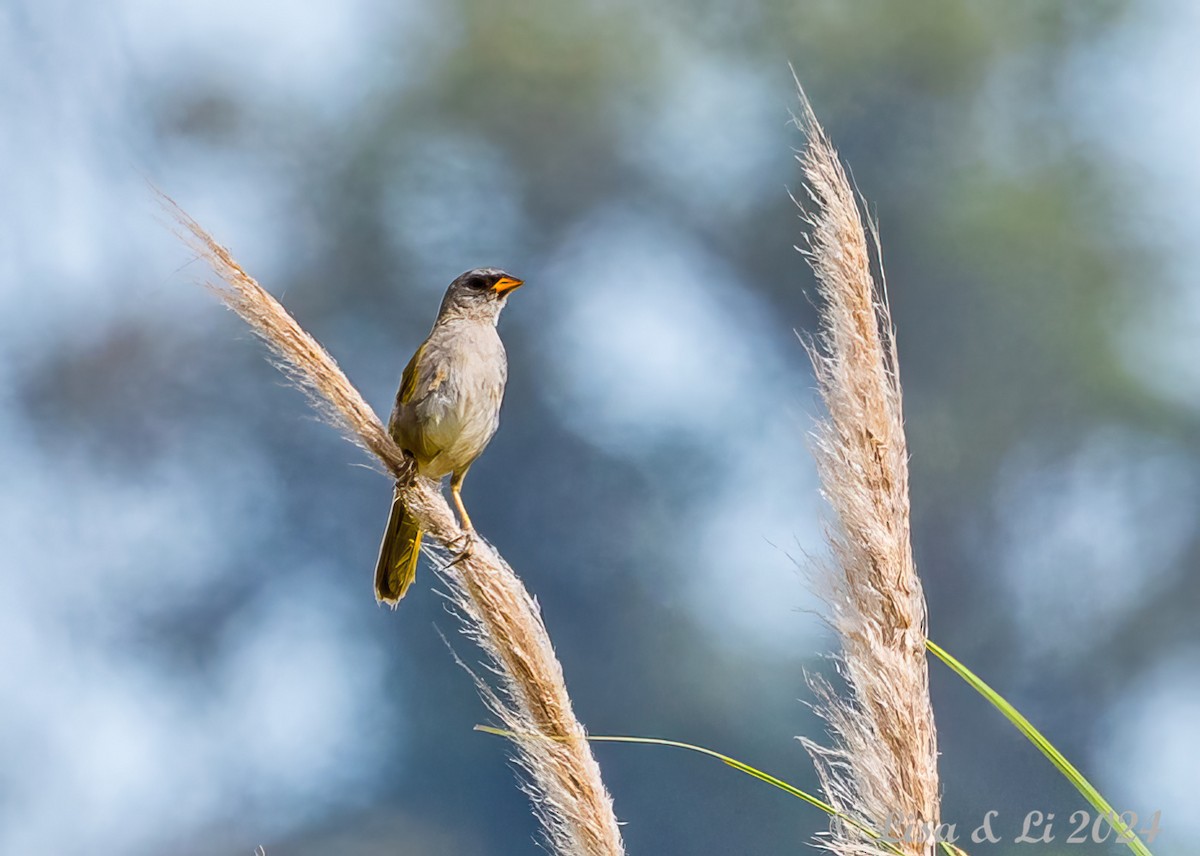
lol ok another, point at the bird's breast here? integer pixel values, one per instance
(455, 408)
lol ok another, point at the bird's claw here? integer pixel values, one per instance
(467, 539)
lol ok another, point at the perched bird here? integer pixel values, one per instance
(447, 409)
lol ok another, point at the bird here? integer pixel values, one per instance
(447, 411)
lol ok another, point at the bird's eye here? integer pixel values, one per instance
(478, 282)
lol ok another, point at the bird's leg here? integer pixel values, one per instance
(456, 491)
(468, 537)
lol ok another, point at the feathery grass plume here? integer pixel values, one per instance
(882, 767)
(531, 699)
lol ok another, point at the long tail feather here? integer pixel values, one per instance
(398, 555)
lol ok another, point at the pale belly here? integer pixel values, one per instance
(452, 433)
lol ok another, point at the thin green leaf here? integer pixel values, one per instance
(1076, 778)
(737, 765)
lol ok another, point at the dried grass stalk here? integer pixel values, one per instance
(882, 767)
(531, 698)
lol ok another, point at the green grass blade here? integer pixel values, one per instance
(1036, 737)
(737, 765)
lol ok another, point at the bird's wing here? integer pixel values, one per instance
(408, 388)
(408, 381)
(419, 420)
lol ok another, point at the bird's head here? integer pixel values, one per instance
(479, 293)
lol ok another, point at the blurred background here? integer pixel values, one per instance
(191, 659)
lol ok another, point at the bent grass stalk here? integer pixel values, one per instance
(530, 697)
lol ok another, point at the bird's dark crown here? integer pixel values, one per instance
(482, 278)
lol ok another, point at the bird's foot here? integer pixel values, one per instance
(467, 540)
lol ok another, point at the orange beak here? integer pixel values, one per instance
(507, 283)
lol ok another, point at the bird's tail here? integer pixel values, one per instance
(398, 554)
